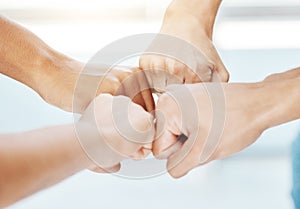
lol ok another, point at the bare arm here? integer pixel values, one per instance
(285, 91)
(244, 112)
(193, 22)
(35, 160)
(202, 11)
(26, 58)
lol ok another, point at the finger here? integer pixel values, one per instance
(191, 77)
(176, 71)
(129, 86)
(118, 141)
(158, 80)
(132, 123)
(163, 143)
(145, 92)
(219, 72)
(185, 159)
(204, 72)
(148, 100)
(221, 76)
(170, 150)
(174, 79)
(144, 61)
(156, 74)
(137, 88)
(167, 129)
(142, 122)
(141, 153)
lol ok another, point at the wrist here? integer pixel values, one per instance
(51, 67)
(55, 79)
(201, 12)
(185, 23)
(280, 100)
(77, 152)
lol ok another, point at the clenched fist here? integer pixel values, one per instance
(214, 120)
(113, 128)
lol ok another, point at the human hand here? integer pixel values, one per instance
(112, 129)
(214, 129)
(58, 78)
(71, 86)
(73, 89)
(198, 58)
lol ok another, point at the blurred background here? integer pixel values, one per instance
(254, 37)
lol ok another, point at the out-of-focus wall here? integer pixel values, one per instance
(254, 37)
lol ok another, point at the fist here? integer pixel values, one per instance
(195, 125)
(113, 128)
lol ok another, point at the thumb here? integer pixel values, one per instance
(165, 136)
(184, 159)
(163, 144)
(220, 74)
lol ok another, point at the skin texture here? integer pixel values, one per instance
(118, 143)
(37, 159)
(54, 76)
(62, 81)
(249, 110)
(57, 153)
(191, 21)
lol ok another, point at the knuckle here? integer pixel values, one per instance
(192, 76)
(204, 72)
(224, 75)
(136, 70)
(125, 75)
(144, 61)
(115, 85)
(141, 119)
(156, 152)
(158, 64)
(179, 66)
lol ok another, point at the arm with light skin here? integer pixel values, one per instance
(250, 109)
(203, 12)
(193, 22)
(27, 59)
(54, 76)
(35, 160)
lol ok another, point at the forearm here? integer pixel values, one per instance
(203, 11)
(26, 58)
(283, 101)
(35, 160)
